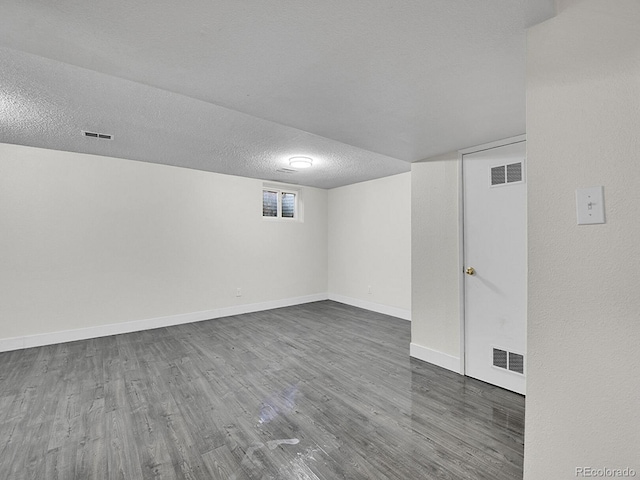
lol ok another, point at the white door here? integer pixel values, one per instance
(495, 255)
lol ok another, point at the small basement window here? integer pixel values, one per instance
(269, 203)
(280, 203)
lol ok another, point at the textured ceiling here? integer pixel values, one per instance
(362, 86)
(45, 103)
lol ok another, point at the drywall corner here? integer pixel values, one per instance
(369, 243)
(435, 254)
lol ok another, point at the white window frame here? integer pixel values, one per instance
(280, 189)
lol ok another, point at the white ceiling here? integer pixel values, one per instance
(238, 86)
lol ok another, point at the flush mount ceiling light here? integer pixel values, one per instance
(300, 162)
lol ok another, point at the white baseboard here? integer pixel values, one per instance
(436, 358)
(38, 340)
(374, 307)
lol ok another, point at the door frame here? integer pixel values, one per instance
(461, 257)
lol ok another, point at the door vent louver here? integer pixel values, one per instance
(497, 175)
(516, 362)
(506, 174)
(514, 172)
(104, 136)
(499, 358)
(508, 360)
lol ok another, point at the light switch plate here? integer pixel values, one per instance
(590, 205)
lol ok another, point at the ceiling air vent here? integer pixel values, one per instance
(286, 170)
(104, 136)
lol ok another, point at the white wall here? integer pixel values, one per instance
(370, 244)
(88, 241)
(435, 326)
(583, 129)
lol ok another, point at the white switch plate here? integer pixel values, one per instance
(590, 205)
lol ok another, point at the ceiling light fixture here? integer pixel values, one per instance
(300, 162)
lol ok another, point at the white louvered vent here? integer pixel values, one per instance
(286, 170)
(506, 360)
(516, 362)
(514, 172)
(103, 136)
(506, 174)
(497, 175)
(499, 358)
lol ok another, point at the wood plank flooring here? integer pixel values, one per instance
(316, 391)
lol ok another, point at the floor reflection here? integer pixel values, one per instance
(316, 391)
(473, 429)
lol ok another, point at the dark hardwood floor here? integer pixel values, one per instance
(321, 390)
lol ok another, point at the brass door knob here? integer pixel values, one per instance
(470, 271)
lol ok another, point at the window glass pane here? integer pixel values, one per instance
(288, 205)
(269, 204)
